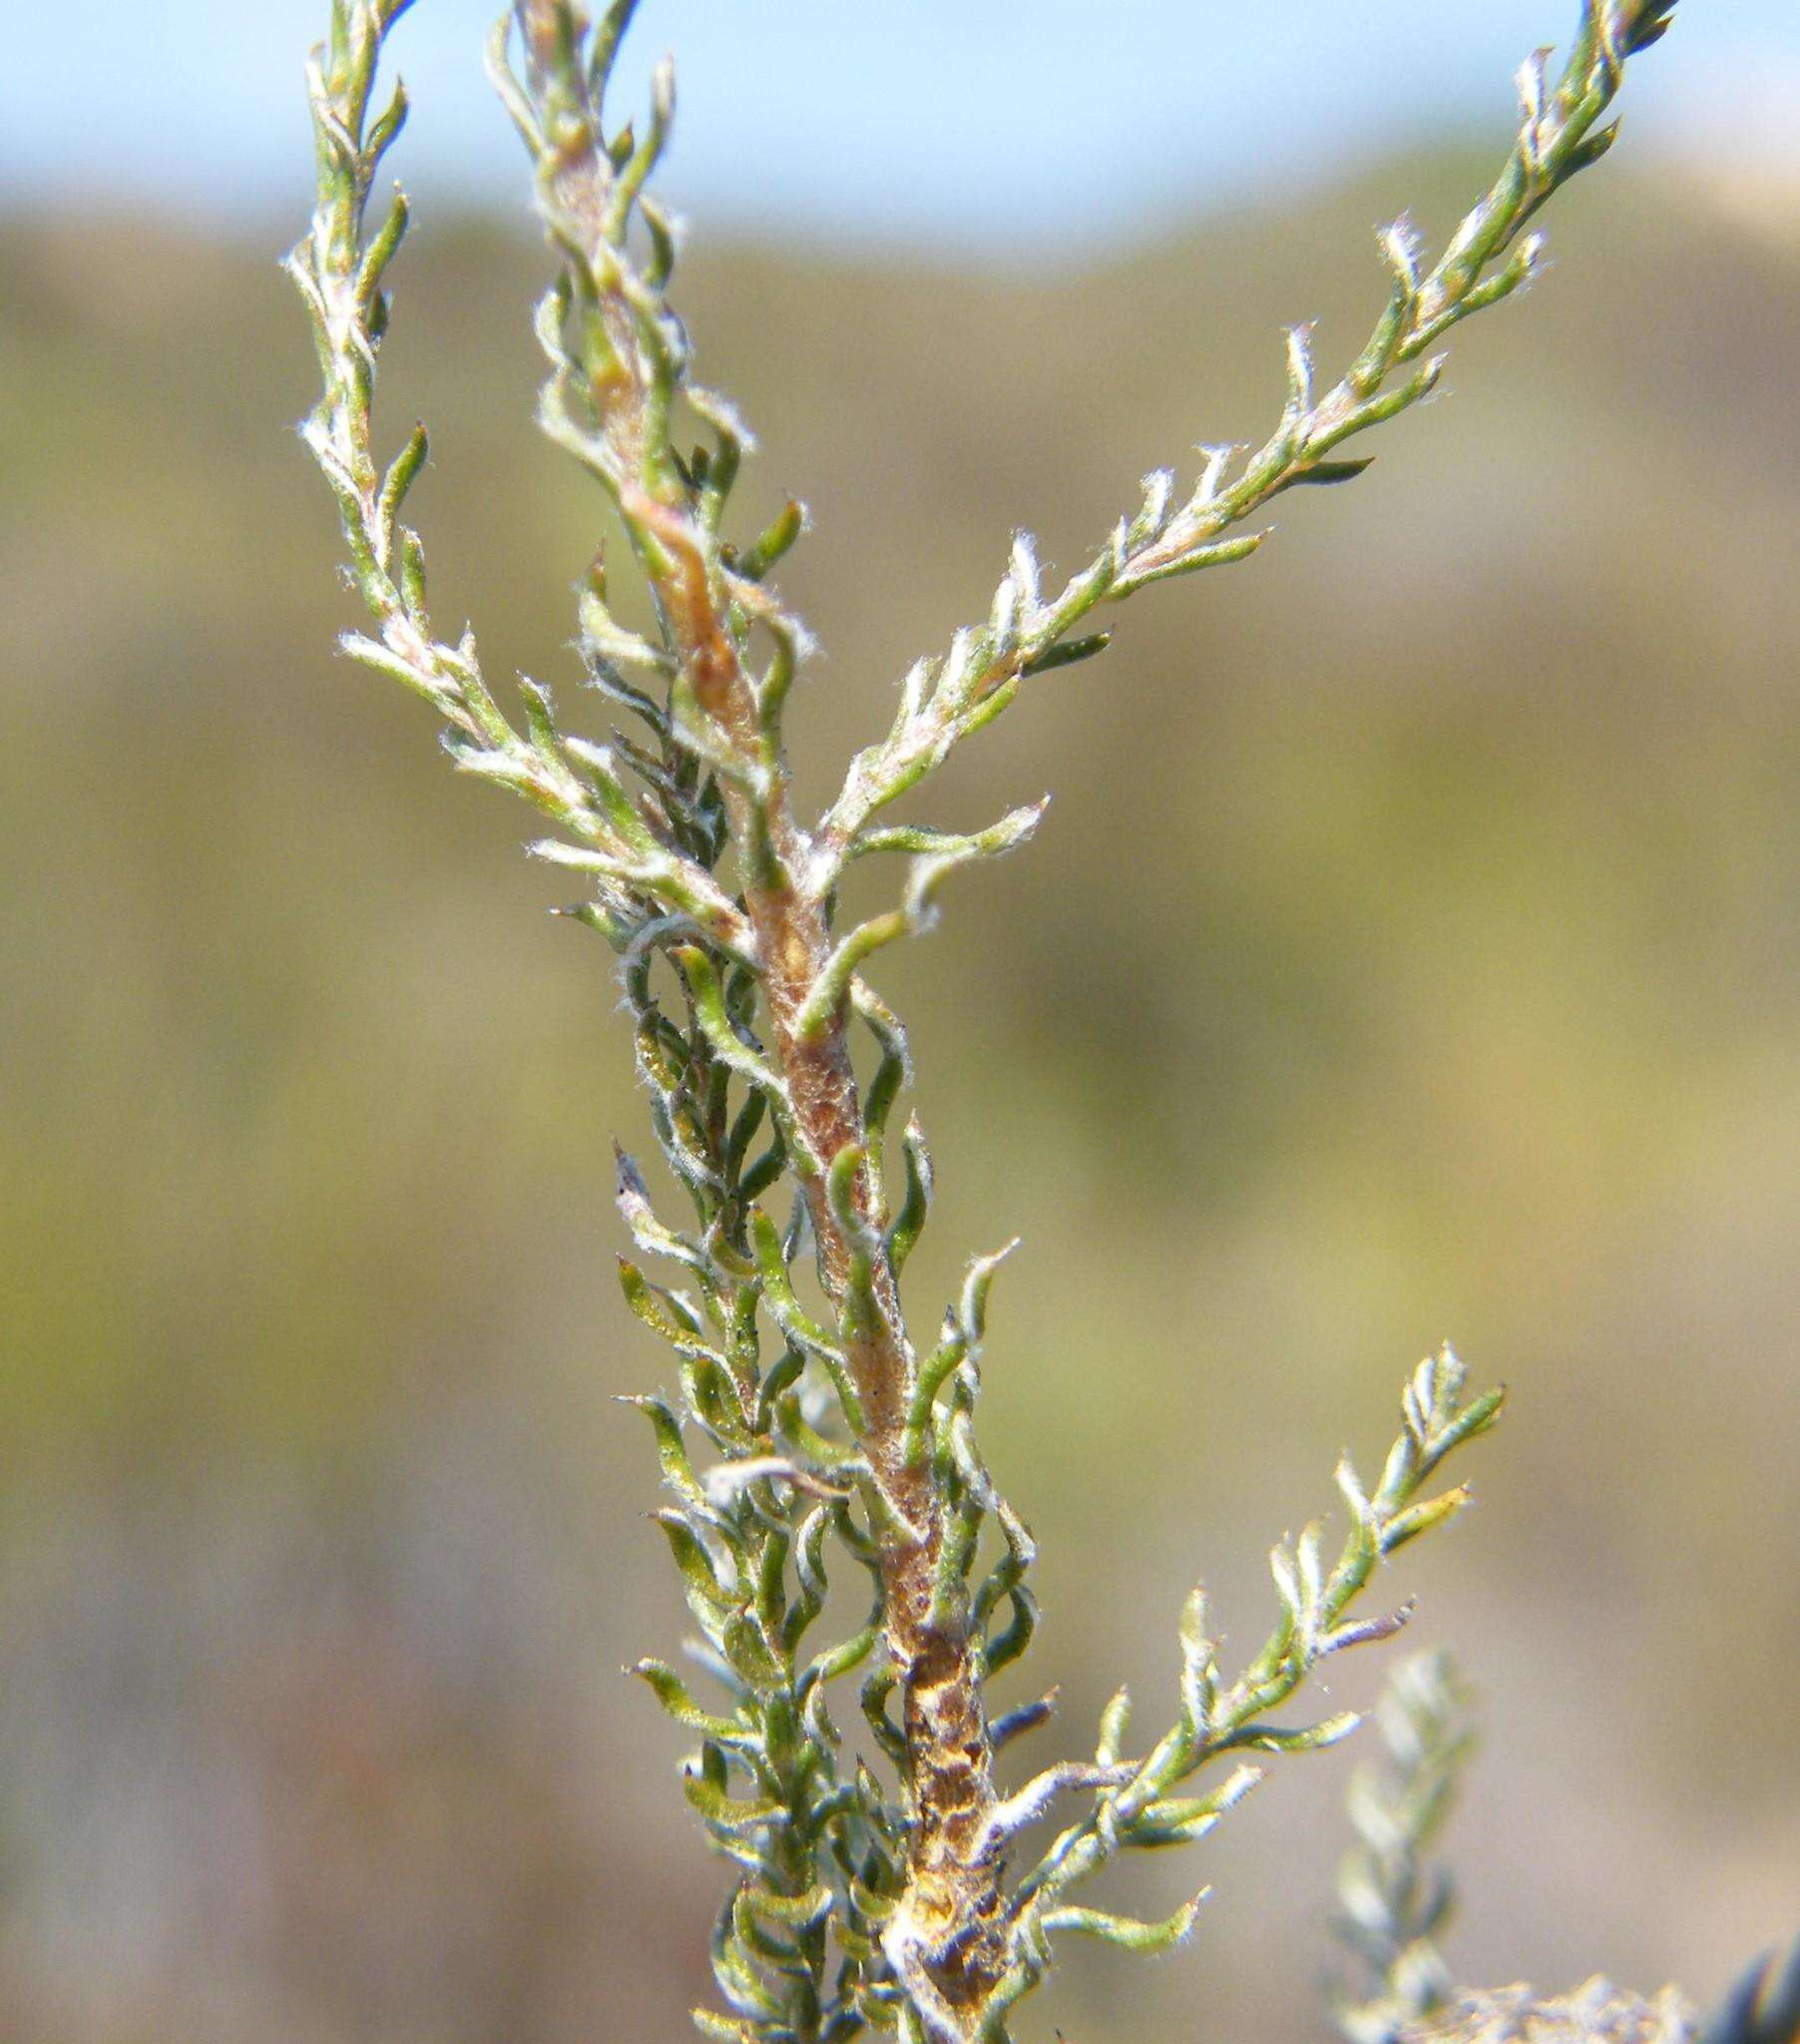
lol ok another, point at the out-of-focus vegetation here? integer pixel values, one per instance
(1475, 910)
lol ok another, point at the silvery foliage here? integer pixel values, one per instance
(1393, 1902)
(809, 1436)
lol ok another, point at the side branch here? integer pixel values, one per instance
(642, 872)
(1028, 633)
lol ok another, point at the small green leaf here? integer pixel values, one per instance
(731, 1816)
(672, 1452)
(888, 1735)
(757, 560)
(1421, 1518)
(1127, 1931)
(1066, 653)
(705, 1592)
(665, 1314)
(909, 1223)
(743, 1646)
(1012, 1644)
(1305, 1739)
(1325, 472)
(677, 1700)
(1112, 1723)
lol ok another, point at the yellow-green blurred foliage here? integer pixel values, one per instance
(1457, 993)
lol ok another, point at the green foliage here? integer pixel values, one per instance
(824, 1432)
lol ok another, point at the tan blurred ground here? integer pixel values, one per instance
(1413, 949)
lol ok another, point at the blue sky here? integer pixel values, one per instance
(865, 122)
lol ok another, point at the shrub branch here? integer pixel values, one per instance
(825, 1435)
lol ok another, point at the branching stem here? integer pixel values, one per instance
(853, 1905)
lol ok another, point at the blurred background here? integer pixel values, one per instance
(1441, 977)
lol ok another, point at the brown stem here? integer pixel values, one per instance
(948, 1927)
(951, 1907)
